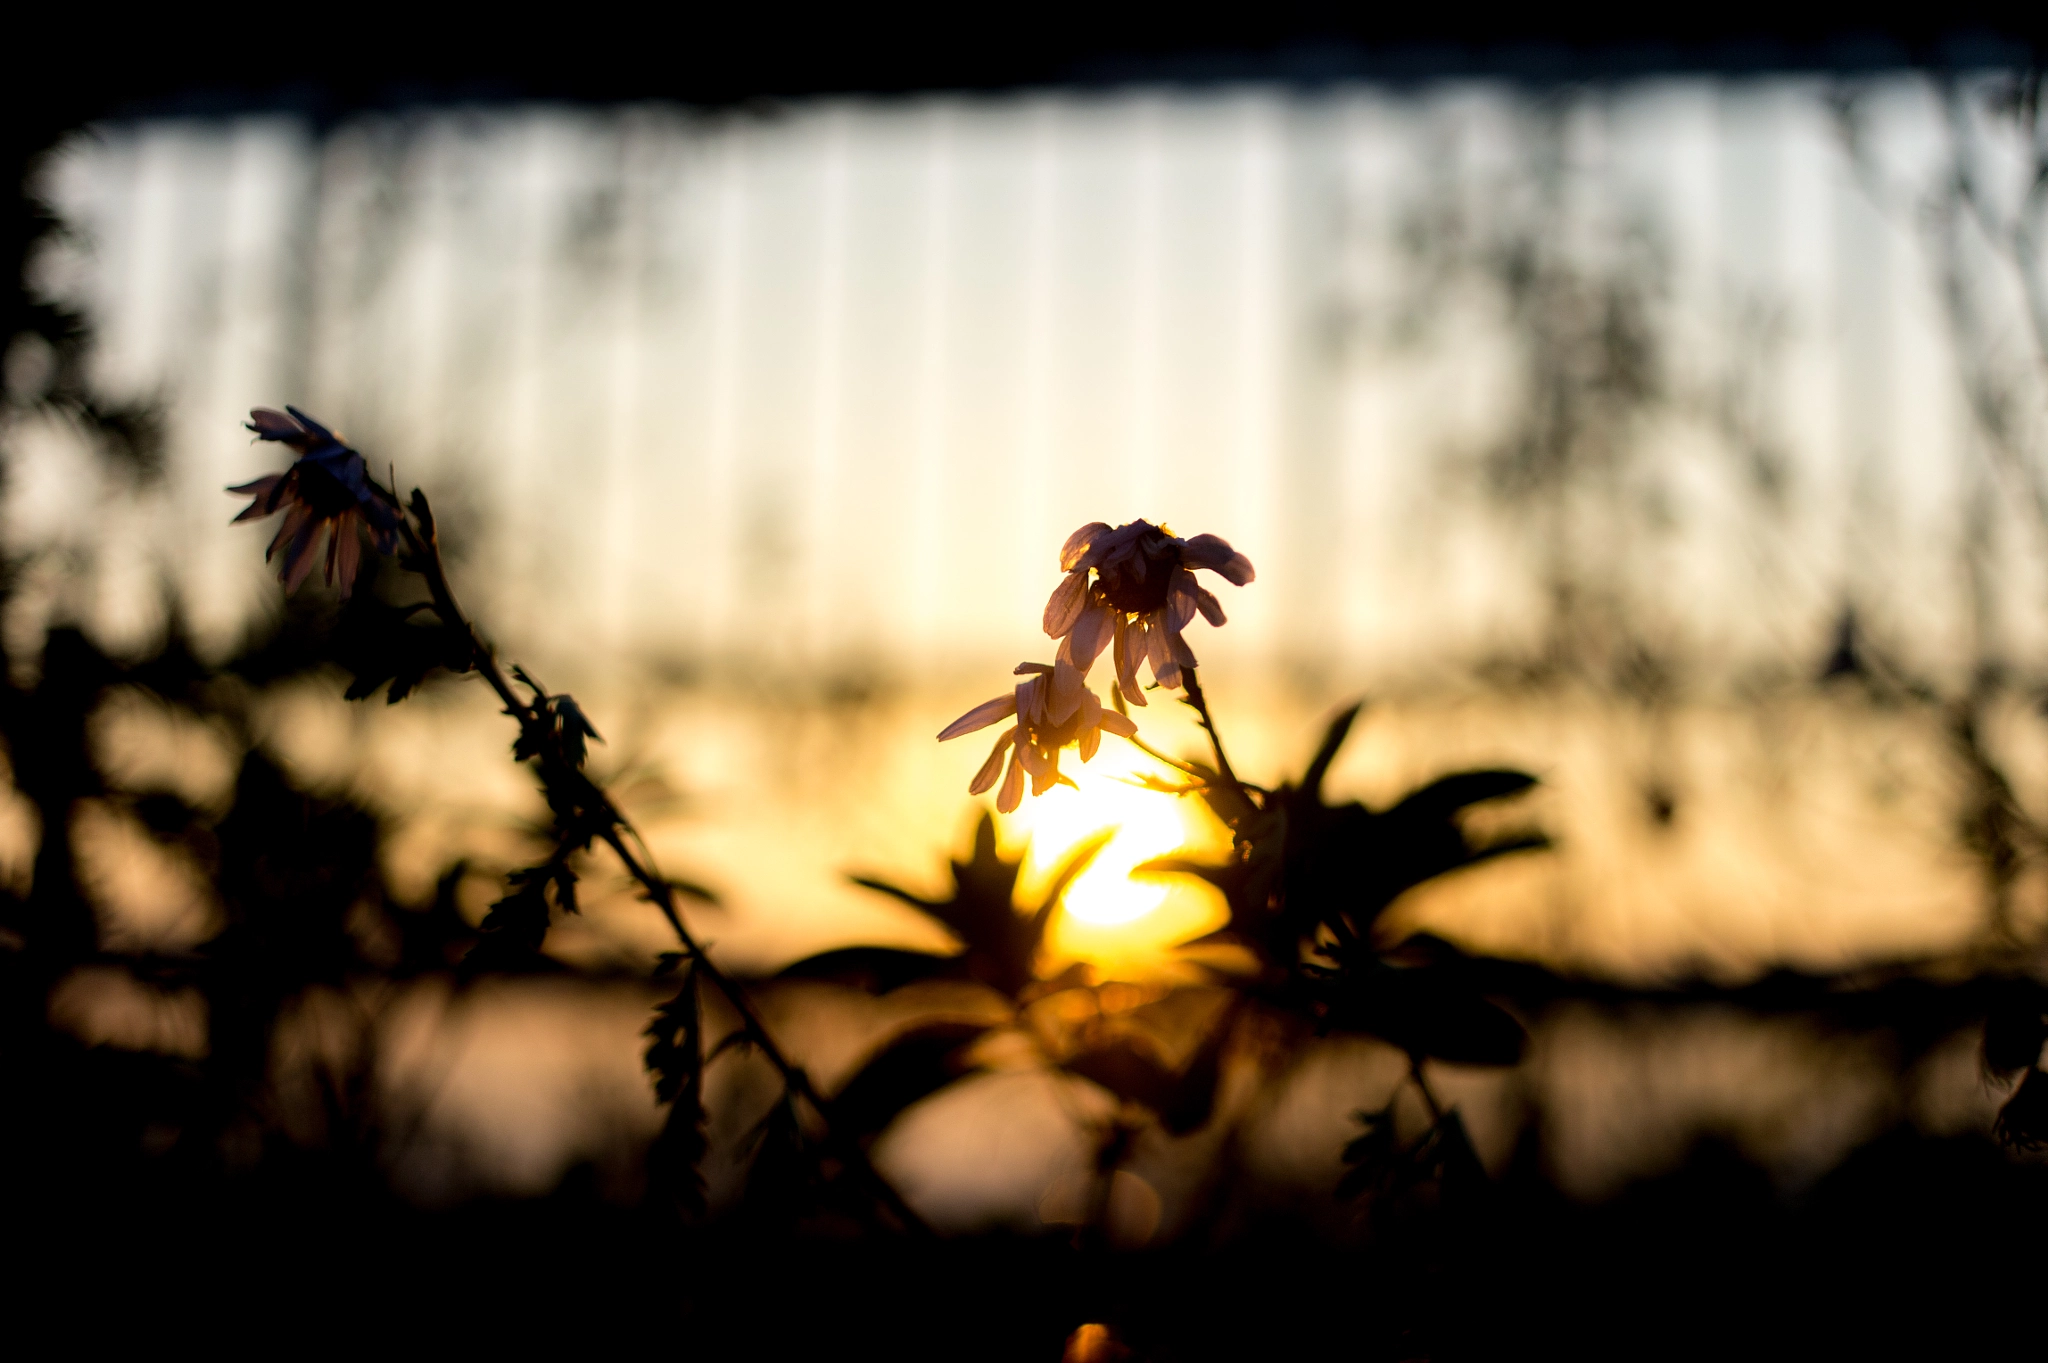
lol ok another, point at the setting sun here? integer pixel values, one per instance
(1108, 913)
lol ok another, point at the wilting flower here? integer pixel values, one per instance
(1142, 596)
(328, 488)
(1034, 742)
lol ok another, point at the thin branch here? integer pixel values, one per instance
(1142, 746)
(597, 808)
(1193, 688)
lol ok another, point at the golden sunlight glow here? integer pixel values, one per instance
(1110, 915)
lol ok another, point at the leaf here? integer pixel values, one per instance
(1444, 1153)
(926, 906)
(675, 1057)
(783, 1183)
(572, 728)
(1182, 1100)
(999, 945)
(2023, 1121)
(565, 887)
(1370, 1155)
(384, 645)
(1426, 1011)
(875, 969)
(1128, 1070)
(1448, 794)
(675, 1044)
(2015, 1027)
(1462, 1175)
(693, 890)
(911, 1067)
(1319, 765)
(512, 931)
(423, 514)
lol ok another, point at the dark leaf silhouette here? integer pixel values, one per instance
(1443, 1154)
(510, 937)
(912, 1066)
(1429, 1010)
(1301, 864)
(784, 1184)
(2023, 1121)
(875, 969)
(1371, 1156)
(675, 1057)
(2015, 1027)
(999, 944)
(395, 645)
(563, 726)
(1126, 1056)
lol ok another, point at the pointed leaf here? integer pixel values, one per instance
(1319, 766)
(875, 969)
(910, 1067)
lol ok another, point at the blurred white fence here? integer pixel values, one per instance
(825, 389)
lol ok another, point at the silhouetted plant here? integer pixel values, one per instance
(328, 491)
(1306, 882)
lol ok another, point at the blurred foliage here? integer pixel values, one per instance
(1305, 885)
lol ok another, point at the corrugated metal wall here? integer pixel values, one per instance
(824, 390)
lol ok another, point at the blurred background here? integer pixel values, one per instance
(1658, 412)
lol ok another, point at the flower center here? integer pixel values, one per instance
(326, 494)
(1051, 736)
(1136, 578)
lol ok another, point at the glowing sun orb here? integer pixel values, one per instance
(1147, 824)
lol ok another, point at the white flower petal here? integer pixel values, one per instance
(993, 767)
(1181, 602)
(300, 558)
(1064, 607)
(1012, 793)
(1077, 544)
(1208, 551)
(1112, 545)
(1092, 633)
(980, 717)
(271, 424)
(1130, 652)
(260, 490)
(1156, 651)
(1069, 685)
(1032, 697)
(344, 555)
(1047, 776)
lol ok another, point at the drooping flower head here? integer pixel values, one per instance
(1141, 596)
(1033, 743)
(326, 488)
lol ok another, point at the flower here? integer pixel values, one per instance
(326, 487)
(1143, 595)
(1034, 742)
